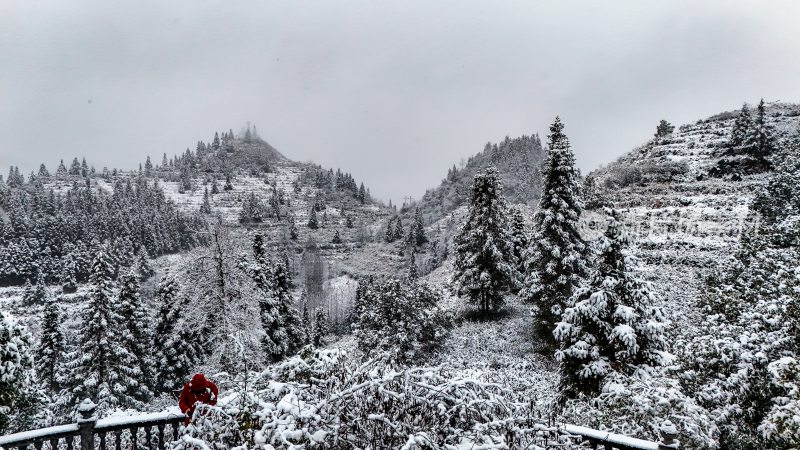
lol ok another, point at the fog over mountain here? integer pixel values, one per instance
(372, 87)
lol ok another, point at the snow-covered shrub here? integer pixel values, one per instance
(638, 405)
(321, 399)
(211, 428)
(400, 317)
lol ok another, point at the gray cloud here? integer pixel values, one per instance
(395, 92)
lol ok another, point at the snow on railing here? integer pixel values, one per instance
(88, 428)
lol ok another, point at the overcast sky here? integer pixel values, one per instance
(394, 92)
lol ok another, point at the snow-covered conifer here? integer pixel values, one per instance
(102, 368)
(555, 259)
(51, 348)
(320, 329)
(19, 394)
(135, 329)
(485, 267)
(613, 324)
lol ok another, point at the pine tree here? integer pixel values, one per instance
(664, 129)
(148, 166)
(484, 267)
(50, 352)
(19, 394)
(555, 259)
(305, 320)
(519, 236)
(412, 274)
(390, 227)
(75, 167)
(418, 229)
(291, 318)
(205, 208)
(228, 182)
(761, 139)
(292, 225)
(136, 338)
(142, 264)
(43, 172)
(69, 281)
(103, 368)
(320, 327)
(312, 220)
(741, 129)
(362, 194)
(62, 169)
(613, 325)
(28, 293)
(174, 346)
(337, 239)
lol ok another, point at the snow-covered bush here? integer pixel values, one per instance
(321, 399)
(400, 317)
(638, 405)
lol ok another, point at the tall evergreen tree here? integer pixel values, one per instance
(50, 352)
(555, 260)
(742, 127)
(614, 325)
(19, 394)
(135, 329)
(103, 369)
(175, 349)
(320, 327)
(519, 236)
(761, 141)
(312, 220)
(484, 267)
(418, 229)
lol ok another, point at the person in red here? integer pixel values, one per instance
(199, 389)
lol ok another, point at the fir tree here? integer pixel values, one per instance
(484, 267)
(148, 166)
(390, 227)
(228, 182)
(136, 338)
(19, 394)
(613, 326)
(312, 220)
(412, 274)
(664, 129)
(320, 327)
(760, 140)
(205, 208)
(741, 128)
(69, 282)
(174, 347)
(418, 229)
(62, 169)
(142, 264)
(292, 225)
(103, 368)
(519, 236)
(555, 259)
(305, 320)
(43, 172)
(50, 352)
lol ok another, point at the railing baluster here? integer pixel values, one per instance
(53, 444)
(174, 431)
(148, 434)
(102, 440)
(118, 440)
(161, 445)
(38, 445)
(70, 442)
(134, 437)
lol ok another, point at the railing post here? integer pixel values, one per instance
(86, 423)
(669, 436)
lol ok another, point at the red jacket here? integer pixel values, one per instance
(197, 390)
